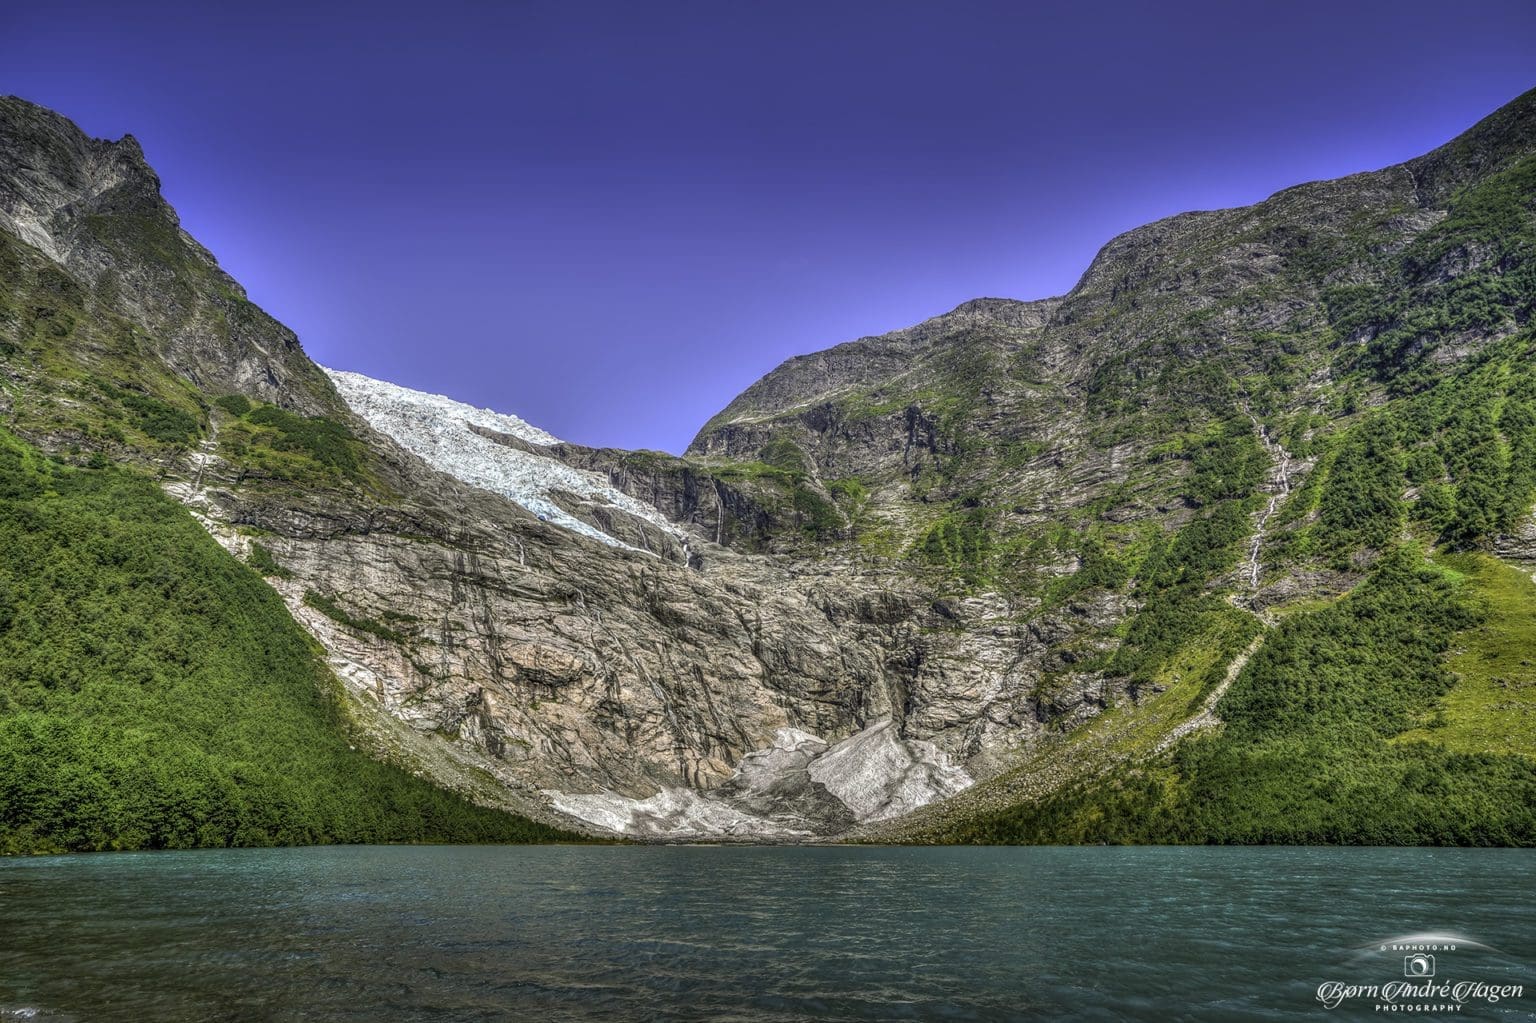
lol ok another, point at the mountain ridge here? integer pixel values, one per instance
(1489, 143)
(1033, 543)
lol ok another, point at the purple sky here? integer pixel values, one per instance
(611, 218)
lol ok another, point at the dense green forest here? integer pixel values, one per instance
(155, 693)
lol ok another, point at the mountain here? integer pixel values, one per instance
(1233, 542)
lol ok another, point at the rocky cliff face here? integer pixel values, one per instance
(93, 207)
(884, 572)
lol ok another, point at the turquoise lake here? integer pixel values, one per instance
(761, 933)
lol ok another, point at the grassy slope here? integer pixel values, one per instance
(1492, 707)
(155, 693)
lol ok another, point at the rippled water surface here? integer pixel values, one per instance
(573, 933)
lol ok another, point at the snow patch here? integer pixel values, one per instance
(879, 775)
(874, 773)
(670, 813)
(438, 429)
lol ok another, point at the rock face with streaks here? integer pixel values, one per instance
(883, 572)
(798, 787)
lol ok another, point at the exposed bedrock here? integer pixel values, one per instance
(799, 786)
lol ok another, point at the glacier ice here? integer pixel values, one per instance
(439, 430)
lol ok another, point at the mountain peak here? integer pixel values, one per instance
(53, 175)
(94, 207)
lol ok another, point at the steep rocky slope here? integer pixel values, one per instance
(480, 641)
(1032, 544)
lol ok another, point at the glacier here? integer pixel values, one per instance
(441, 431)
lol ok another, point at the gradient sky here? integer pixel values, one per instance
(610, 218)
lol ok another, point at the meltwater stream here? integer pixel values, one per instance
(576, 933)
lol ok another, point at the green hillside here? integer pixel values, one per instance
(1307, 752)
(155, 693)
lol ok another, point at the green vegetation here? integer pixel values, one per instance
(1492, 707)
(151, 236)
(1401, 712)
(323, 440)
(850, 492)
(1457, 459)
(84, 373)
(262, 561)
(1307, 754)
(817, 516)
(783, 484)
(1161, 386)
(1226, 462)
(1101, 569)
(785, 455)
(159, 420)
(154, 693)
(1397, 363)
(290, 447)
(1173, 574)
(1360, 505)
(1474, 271)
(236, 405)
(748, 472)
(336, 613)
(960, 542)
